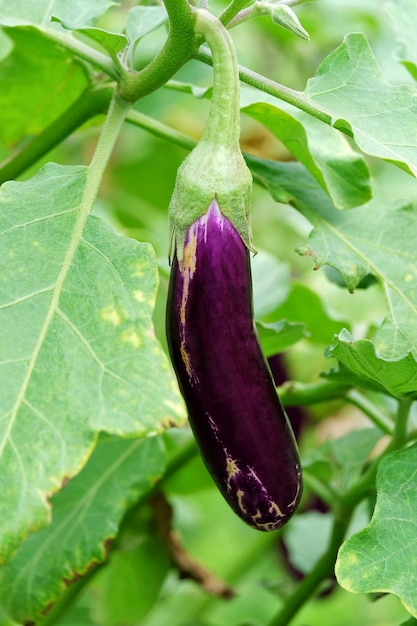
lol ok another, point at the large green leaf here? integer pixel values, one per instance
(85, 518)
(78, 12)
(350, 88)
(382, 556)
(78, 354)
(38, 80)
(402, 15)
(383, 246)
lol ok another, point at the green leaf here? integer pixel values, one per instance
(77, 12)
(142, 20)
(78, 353)
(381, 557)
(279, 336)
(140, 562)
(271, 283)
(384, 246)
(111, 42)
(324, 152)
(398, 377)
(305, 307)
(36, 88)
(402, 15)
(85, 518)
(351, 89)
(354, 448)
(306, 539)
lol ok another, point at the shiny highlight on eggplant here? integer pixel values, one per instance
(238, 421)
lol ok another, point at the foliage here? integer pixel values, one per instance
(107, 514)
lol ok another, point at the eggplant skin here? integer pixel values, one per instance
(239, 424)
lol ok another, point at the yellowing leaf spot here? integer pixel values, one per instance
(131, 336)
(139, 269)
(139, 296)
(408, 277)
(350, 559)
(110, 314)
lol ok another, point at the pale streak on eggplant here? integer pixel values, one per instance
(232, 471)
(187, 269)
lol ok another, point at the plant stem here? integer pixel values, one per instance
(343, 513)
(366, 483)
(91, 102)
(296, 98)
(293, 393)
(177, 50)
(401, 424)
(161, 130)
(377, 417)
(324, 568)
(319, 488)
(223, 122)
(231, 11)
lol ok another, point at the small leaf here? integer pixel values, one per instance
(111, 42)
(278, 337)
(381, 557)
(306, 539)
(397, 377)
(86, 517)
(142, 20)
(284, 16)
(271, 283)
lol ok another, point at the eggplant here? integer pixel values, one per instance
(240, 426)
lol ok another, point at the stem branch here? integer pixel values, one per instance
(296, 98)
(368, 408)
(323, 569)
(177, 50)
(93, 101)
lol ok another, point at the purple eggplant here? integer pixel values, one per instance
(239, 424)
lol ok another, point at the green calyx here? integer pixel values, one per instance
(215, 168)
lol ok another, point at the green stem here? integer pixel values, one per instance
(93, 101)
(343, 511)
(161, 130)
(296, 98)
(321, 489)
(323, 569)
(293, 393)
(109, 133)
(177, 50)
(366, 483)
(231, 11)
(224, 119)
(368, 408)
(401, 423)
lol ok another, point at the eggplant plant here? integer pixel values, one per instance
(120, 146)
